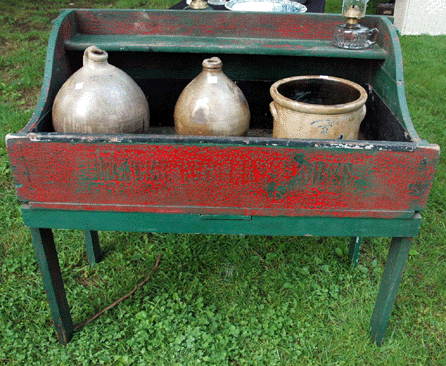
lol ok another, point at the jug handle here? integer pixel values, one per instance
(363, 113)
(272, 108)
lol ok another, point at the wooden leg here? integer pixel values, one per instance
(52, 281)
(393, 271)
(355, 248)
(93, 247)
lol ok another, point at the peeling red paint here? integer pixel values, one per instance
(202, 24)
(222, 179)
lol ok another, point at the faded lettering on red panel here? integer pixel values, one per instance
(247, 179)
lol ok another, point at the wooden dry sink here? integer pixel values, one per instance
(161, 182)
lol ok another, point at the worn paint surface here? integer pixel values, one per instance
(219, 224)
(214, 31)
(222, 179)
(388, 289)
(198, 178)
(194, 24)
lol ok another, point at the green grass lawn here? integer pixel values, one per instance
(217, 300)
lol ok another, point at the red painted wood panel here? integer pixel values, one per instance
(248, 180)
(196, 24)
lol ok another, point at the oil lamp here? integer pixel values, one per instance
(353, 35)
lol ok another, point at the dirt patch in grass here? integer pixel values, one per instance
(89, 282)
(8, 45)
(24, 26)
(32, 38)
(30, 97)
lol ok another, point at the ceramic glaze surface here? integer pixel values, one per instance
(212, 104)
(272, 6)
(317, 107)
(100, 98)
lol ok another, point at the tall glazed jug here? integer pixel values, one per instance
(100, 98)
(212, 104)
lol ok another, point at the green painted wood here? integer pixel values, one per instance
(354, 250)
(193, 223)
(52, 280)
(57, 69)
(226, 217)
(393, 271)
(341, 146)
(158, 43)
(93, 247)
(387, 78)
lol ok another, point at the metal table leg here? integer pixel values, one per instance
(46, 254)
(393, 271)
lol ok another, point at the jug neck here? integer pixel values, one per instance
(95, 58)
(212, 65)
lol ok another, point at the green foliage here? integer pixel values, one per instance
(216, 300)
(335, 6)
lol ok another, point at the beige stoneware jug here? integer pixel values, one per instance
(100, 98)
(212, 104)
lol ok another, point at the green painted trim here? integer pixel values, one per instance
(388, 81)
(221, 45)
(191, 223)
(43, 105)
(226, 217)
(393, 272)
(338, 145)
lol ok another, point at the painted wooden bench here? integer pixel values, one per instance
(161, 182)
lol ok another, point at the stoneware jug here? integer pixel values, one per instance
(100, 98)
(212, 104)
(317, 107)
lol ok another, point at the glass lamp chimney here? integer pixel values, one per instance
(354, 8)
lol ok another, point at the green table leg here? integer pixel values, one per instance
(52, 281)
(354, 250)
(393, 271)
(93, 247)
